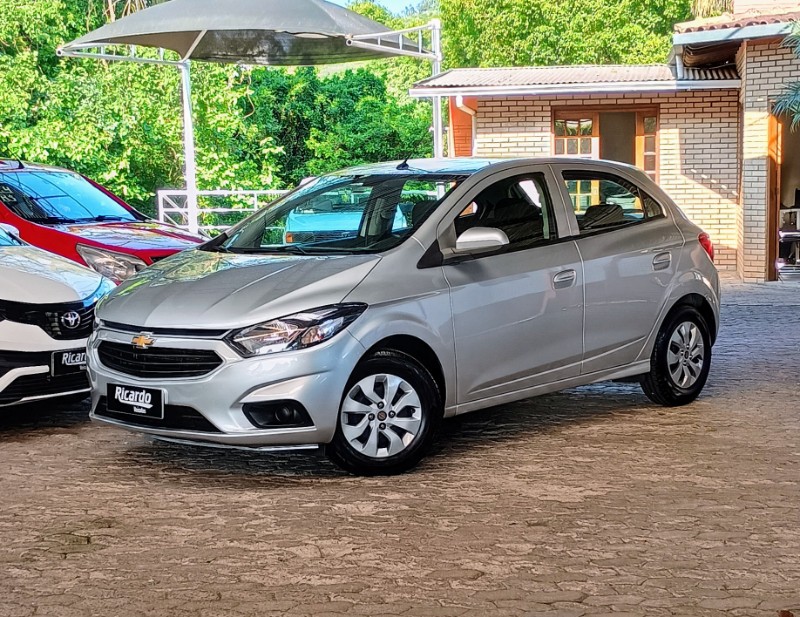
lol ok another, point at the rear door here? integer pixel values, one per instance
(630, 249)
(517, 312)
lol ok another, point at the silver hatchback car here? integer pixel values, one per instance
(406, 293)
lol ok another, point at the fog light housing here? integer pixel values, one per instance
(277, 414)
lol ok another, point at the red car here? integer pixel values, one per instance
(66, 213)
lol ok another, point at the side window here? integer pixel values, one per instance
(604, 201)
(520, 206)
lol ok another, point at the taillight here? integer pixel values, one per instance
(707, 244)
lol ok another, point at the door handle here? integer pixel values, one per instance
(564, 278)
(662, 261)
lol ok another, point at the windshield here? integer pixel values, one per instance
(343, 214)
(58, 197)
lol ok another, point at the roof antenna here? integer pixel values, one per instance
(404, 166)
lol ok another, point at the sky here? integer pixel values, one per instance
(395, 6)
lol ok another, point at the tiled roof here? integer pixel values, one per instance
(565, 75)
(740, 20)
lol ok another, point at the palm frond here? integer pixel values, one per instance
(710, 8)
(788, 104)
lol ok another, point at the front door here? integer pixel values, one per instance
(517, 312)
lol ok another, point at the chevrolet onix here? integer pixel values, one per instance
(46, 311)
(504, 280)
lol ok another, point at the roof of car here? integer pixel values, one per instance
(428, 166)
(466, 165)
(7, 165)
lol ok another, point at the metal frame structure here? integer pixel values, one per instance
(392, 42)
(172, 205)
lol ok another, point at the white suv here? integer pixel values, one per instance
(46, 313)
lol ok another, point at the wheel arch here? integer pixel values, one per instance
(702, 305)
(420, 351)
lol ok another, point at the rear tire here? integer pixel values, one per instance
(681, 359)
(390, 411)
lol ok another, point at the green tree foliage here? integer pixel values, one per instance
(362, 124)
(326, 123)
(541, 32)
(121, 123)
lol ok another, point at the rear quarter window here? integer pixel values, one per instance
(603, 201)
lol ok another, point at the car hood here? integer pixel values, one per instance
(138, 236)
(210, 290)
(34, 276)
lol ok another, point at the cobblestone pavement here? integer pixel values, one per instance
(584, 503)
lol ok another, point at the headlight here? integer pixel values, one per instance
(116, 266)
(296, 331)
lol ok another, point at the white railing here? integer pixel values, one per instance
(217, 210)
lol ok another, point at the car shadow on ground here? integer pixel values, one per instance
(28, 420)
(237, 469)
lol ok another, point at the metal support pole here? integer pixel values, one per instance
(438, 128)
(190, 163)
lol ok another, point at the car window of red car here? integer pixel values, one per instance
(58, 197)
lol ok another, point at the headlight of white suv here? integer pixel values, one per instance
(116, 266)
(296, 331)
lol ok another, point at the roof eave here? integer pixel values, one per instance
(724, 35)
(555, 89)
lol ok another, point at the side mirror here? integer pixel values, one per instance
(10, 230)
(480, 240)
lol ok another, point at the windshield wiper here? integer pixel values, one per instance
(285, 248)
(107, 217)
(51, 219)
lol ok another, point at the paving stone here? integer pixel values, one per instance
(578, 503)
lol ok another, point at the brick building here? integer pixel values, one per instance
(701, 125)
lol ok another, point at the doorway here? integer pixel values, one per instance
(783, 196)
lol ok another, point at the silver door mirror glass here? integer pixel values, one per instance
(480, 239)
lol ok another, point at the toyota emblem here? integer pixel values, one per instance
(71, 320)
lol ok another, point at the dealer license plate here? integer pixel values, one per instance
(136, 401)
(67, 363)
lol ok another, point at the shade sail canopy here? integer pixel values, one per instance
(274, 32)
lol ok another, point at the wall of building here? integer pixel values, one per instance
(698, 143)
(768, 68)
(461, 125)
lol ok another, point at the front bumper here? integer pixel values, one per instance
(209, 409)
(26, 377)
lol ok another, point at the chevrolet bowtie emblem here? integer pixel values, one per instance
(142, 341)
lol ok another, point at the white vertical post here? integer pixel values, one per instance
(438, 128)
(190, 164)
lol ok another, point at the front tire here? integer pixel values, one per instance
(681, 359)
(390, 411)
